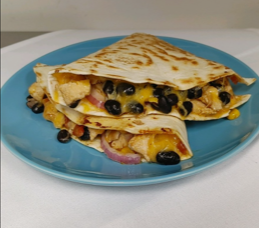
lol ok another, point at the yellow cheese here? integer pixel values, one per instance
(233, 114)
(63, 78)
(162, 142)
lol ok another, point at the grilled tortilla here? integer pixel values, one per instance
(155, 70)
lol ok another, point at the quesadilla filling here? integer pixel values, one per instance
(117, 97)
(120, 146)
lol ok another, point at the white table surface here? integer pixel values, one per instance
(226, 195)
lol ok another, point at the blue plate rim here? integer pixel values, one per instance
(128, 182)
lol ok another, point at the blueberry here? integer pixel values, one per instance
(113, 107)
(38, 108)
(86, 135)
(125, 89)
(108, 87)
(168, 158)
(64, 136)
(195, 92)
(224, 97)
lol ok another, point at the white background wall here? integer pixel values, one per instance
(49, 15)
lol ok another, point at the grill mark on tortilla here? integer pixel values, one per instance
(107, 60)
(187, 80)
(217, 67)
(93, 71)
(155, 54)
(167, 130)
(113, 67)
(181, 58)
(123, 48)
(138, 122)
(86, 121)
(113, 75)
(98, 124)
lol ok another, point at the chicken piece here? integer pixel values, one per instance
(73, 91)
(94, 133)
(200, 108)
(141, 144)
(36, 91)
(112, 136)
(118, 139)
(120, 143)
(210, 97)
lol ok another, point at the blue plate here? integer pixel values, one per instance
(32, 139)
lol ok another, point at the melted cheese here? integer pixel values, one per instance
(144, 93)
(88, 106)
(161, 142)
(64, 78)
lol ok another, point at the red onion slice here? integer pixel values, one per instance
(94, 101)
(97, 97)
(116, 156)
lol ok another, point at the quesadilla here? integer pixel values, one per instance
(152, 138)
(141, 75)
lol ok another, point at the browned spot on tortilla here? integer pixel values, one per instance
(105, 127)
(181, 58)
(137, 122)
(175, 68)
(130, 125)
(187, 80)
(155, 54)
(93, 71)
(116, 76)
(107, 60)
(139, 63)
(113, 67)
(167, 83)
(86, 121)
(144, 131)
(131, 45)
(194, 62)
(155, 118)
(39, 74)
(217, 67)
(122, 48)
(98, 124)
(135, 67)
(167, 130)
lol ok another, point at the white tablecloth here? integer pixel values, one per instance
(226, 195)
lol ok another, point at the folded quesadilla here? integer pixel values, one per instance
(154, 138)
(141, 75)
